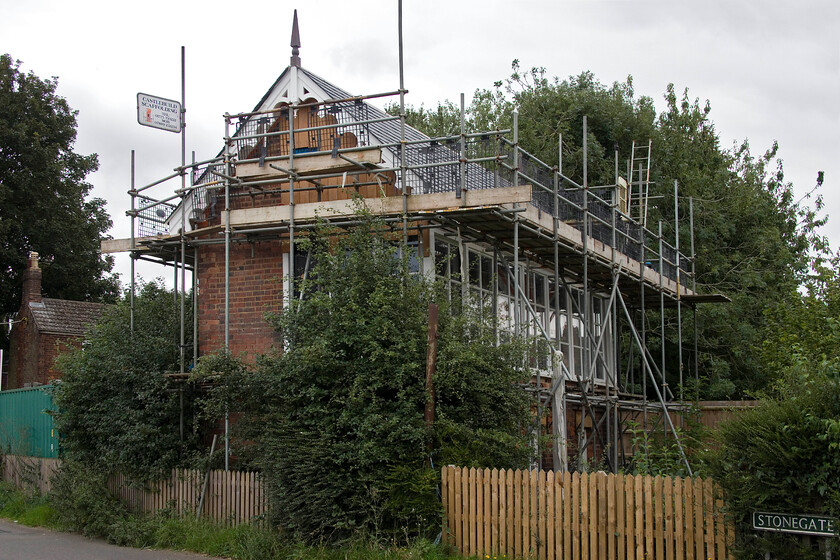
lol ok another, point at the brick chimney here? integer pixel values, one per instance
(31, 281)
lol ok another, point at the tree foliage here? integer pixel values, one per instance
(807, 327)
(43, 195)
(336, 422)
(117, 410)
(783, 456)
(753, 242)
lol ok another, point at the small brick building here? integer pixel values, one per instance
(43, 328)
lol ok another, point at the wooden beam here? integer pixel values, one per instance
(124, 245)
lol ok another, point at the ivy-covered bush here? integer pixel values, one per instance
(117, 411)
(336, 421)
(783, 457)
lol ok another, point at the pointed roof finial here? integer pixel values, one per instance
(295, 60)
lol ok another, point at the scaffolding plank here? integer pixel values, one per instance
(124, 245)
(435, 202)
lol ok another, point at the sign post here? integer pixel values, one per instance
(159, 112)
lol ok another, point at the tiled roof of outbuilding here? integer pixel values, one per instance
(60, 316)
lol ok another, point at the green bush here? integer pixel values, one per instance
(336, 422)
(165, 530)
(117, 411)
(783, 456)
(83, 502)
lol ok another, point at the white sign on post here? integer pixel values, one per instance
(158, 112)
(804, 524)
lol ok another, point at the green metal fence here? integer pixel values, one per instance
(26, 425)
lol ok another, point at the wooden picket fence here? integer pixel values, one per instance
(29, 473)
(546, 516)
(232, 497)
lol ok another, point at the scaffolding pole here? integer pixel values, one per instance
(403, 171)
(195, 293)
(516, 310)
(694, 289)
(227, 273)
(585, 378)
(291, 204)
(679, 299)
(558, 401)
(133, 215)
(182, 310)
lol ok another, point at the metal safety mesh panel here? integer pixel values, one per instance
(435, 166)
(151, 221)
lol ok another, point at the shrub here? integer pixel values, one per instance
(117, 411)
(336, 421)
(83, 502)
(782, 456)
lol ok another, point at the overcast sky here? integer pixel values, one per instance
(771, 70)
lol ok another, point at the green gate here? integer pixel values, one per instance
(26, 422)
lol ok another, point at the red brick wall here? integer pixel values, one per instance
(49, 348)
(33, 354)
(22, 350)
(256, 288)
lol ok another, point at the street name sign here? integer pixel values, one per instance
(158, 112)
(788, 523)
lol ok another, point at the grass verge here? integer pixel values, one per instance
(243, 542)
(28, 509)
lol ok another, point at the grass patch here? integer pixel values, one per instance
(244, 542)
(42, 515)
(421, 549)
(29, 509)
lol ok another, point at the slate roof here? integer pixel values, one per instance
(388, 131)
(61, 316)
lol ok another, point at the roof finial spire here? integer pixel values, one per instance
(295, 60)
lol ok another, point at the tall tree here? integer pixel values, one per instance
(806, 329)
(43, 195)
(753, 242)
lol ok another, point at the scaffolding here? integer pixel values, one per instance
(569, 266)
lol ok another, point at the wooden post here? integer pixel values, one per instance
(431, 366)
(206, 480)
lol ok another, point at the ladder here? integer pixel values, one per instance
(639, 181)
